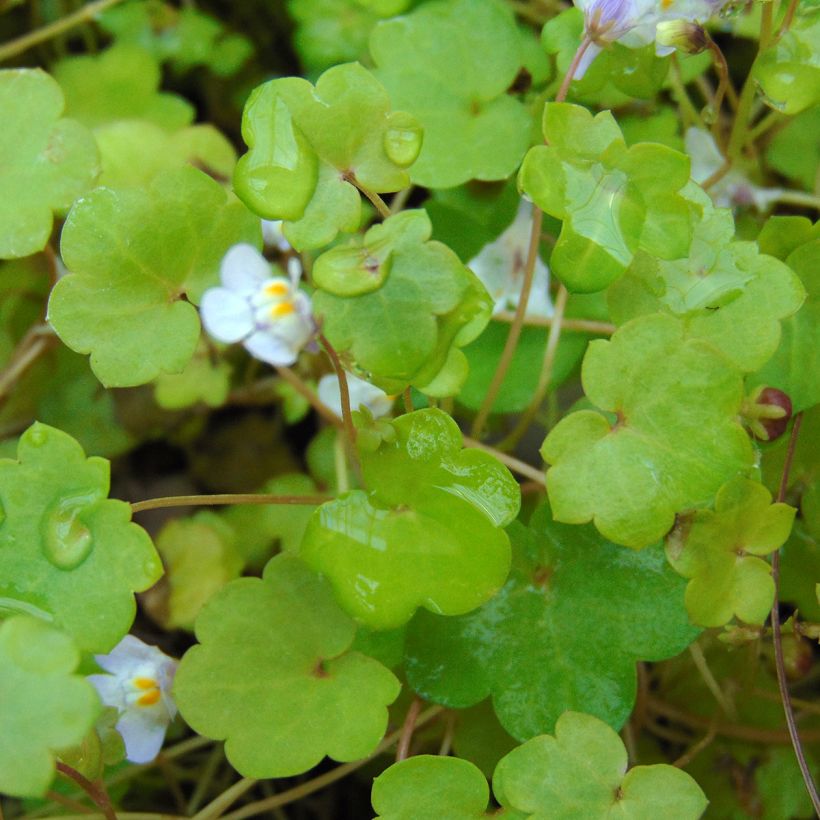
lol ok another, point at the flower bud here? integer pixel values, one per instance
(683, 35)
(767, 412)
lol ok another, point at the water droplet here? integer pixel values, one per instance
(709, 114)
(67, 539)
(37, 435)
(402, 139)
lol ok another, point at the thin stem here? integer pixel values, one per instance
(33, 38)
(689, 114)
(515, 328)
(403, 747)
(693, 751)
(578, 325)
(305, 391)
(787, 18)
(212, 763)
(766, 20)
(407, 400)
(96, 791)
(399, 199)
(717, 176)
(799, 198)
(768, 121)
(31, 346)
(711, 684)
(724, 84)
(216, 808)
(515, 464)
(730, 730)
(573, 67)
(344, 391)
(777, 637)
(378, 203)
(220, 499)
(544, 377)
(311, 786)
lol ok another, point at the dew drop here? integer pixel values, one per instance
(37, 435)
(67, 540)
(402, 140)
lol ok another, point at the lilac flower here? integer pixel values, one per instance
(633, 23)
(500, 267)
(361, 393)
(139, 687)
(268, 314)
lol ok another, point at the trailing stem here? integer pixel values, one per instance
(221, 499)
(777, 640)
(96, 791)
(344, 391)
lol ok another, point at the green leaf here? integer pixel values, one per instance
(794, 151)
(613, 200)
(431, 787)
(46, 707)
(528, 648)
(788, 73)
(306, 145)
(329, 32)
(795, 365)
(581, 773)
(450, 65)
(135, 151)
(675, 439)
(200, 556)
(725, 292)
(139, 258)
(185, 37)
(718, 552)
(202, 380)
(799, 571)
(68, 554)
(272, 676)
(426, 534)
(399, 307)
(120, 83)
(47, 161)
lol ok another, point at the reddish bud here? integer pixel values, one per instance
(767, 413)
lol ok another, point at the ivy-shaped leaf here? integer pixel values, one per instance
(272, 675)
(426, 534)
(674, 440)
(47, 161)
(450, 64)
(44, 706)
(120, 83)
(788, 72)
(528, 647)
(719, 552)
(133, 152)
(399, 307)
(138, 259)
(306, 145)
(795, 365)
(431, 787)
(613, 200)
(582, 772)
(200, 555)
(186, 37)
(725, 292)
(68, 554)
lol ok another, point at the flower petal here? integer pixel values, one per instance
(271, 349)
(110, 690)
(143, 731)
(226, 315)
(244, 269)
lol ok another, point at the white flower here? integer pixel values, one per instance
(268, 314)
(139, 687)
(634, 23)
(733, 188)
(361, 393)
(272, 235)
(500, 266)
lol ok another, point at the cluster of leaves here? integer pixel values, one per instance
(537, 620)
